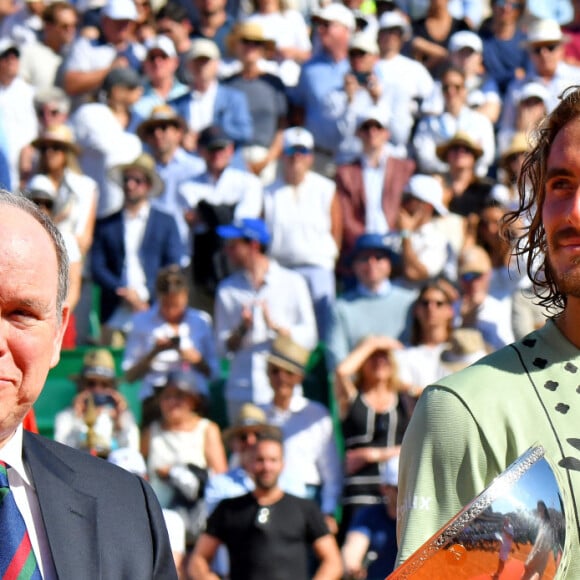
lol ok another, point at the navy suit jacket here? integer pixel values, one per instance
(230, 112)
(161, 247)
(101, 522)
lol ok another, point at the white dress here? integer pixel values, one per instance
(169, 448)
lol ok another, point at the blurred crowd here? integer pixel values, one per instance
(241, 182)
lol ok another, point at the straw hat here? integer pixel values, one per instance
(160, 115)
(146, 164)
(249, 31)
(518, 144)
(57, 135)
(288, 355)
(249, 416)
(97, 362)
(460, 138)
(474, 260)
(465, 347)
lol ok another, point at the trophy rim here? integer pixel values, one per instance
(472, 510)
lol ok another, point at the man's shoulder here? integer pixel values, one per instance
(78, 464)
(496, 376)
(315, 410)
(161, 216)
(238, 502)
(235, 281)
(109, 220)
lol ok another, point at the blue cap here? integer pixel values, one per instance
(380, 242)
(247, 228)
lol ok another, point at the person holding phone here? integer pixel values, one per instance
(99, 418)
(167, 337)
(363, 89)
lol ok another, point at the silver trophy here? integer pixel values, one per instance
(515, 529)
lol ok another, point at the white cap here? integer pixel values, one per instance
(427, 189)
(298, 137)
(335, 12)
(530, 90)
(41, 184)
(395, 19)
(465, 39)
(546, 30)
(6, 44)
(391, 472)
(379, 114)
(120, 10)
(162, 43)
(365, 42)
(203, 47)
(128, 459)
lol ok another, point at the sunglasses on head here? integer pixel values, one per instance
(297, 150)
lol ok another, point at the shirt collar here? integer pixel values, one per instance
(11, 454)
(382, 160)
(297, 402)
(383, 289)
(142, 212)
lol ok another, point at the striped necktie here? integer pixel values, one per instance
(17, 560)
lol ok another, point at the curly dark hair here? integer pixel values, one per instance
(532, 244)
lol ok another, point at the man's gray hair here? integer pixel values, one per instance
(27, 206)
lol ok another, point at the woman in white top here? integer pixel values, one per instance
(419, 364)
(181, 448)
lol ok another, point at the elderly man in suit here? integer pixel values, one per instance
(70, 512)
(131, 246)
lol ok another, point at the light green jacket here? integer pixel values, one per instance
(468, 428)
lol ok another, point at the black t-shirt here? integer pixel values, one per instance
(267, 541)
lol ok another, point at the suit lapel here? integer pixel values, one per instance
(69, 515)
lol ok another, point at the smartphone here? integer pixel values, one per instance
(175, 341)
(103, 400)
(362, 77)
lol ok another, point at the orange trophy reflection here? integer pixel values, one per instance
(488, 540)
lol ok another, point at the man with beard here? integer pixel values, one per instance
(470, 426)
(267, 532)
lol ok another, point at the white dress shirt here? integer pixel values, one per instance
(309, 446)
(374, 181)
(201, 108)
(26, 500)
(288, 299)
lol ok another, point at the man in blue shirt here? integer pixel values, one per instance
(322, 76)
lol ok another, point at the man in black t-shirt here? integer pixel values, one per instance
(267, 532)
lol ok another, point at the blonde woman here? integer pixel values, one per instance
(374, 415)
